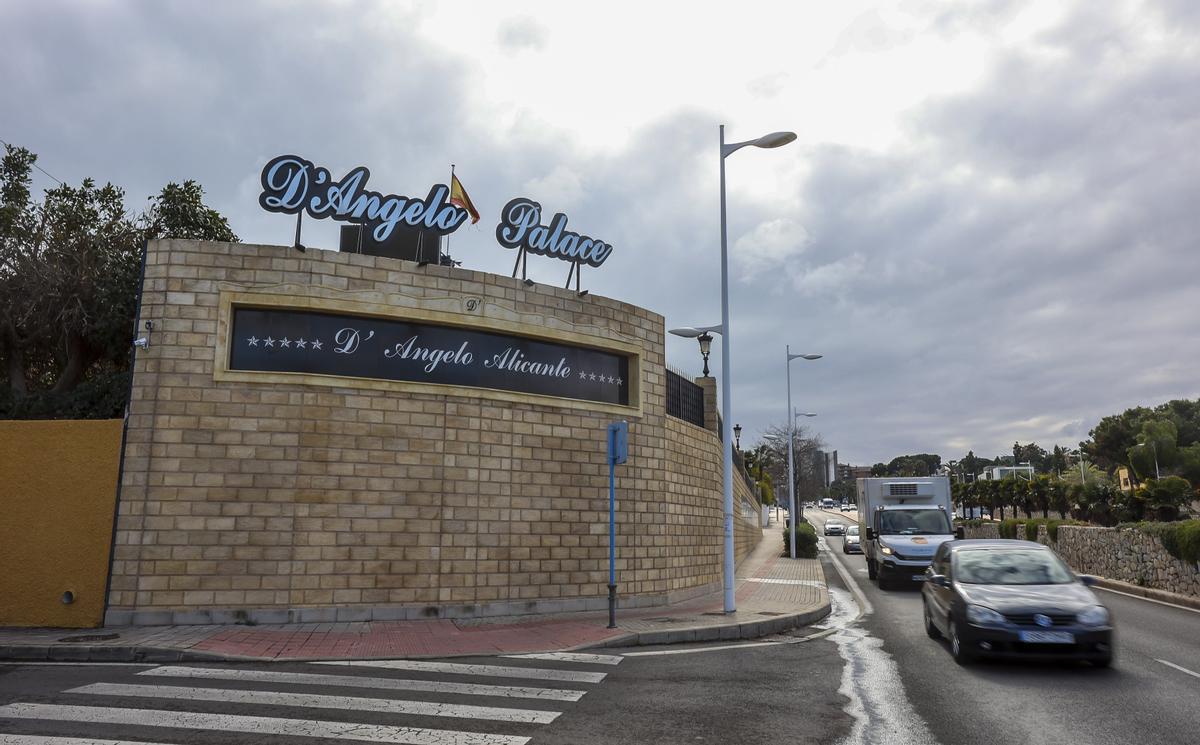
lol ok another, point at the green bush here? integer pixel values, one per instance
(1008, 527)
(101, 397)
(806, 540)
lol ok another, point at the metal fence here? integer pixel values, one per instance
(685, 399)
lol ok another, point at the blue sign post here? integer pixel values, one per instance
(618, 452)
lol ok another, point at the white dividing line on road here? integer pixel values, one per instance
(48, 740)
(31, 663)
(595, 659)
(1148, 600)
(748, 645)
(1192, 673)
(255, 725)
(455, 668)
(355, 681)
(320, 701)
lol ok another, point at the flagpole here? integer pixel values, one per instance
(447, 234)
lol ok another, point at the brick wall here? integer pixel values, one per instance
(280, 500)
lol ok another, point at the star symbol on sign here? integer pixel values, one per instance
(316, 344)
(619, 381)
(591, 376)
(301, 343)
(252, 341)
(269, 341)
(284, 342)
(582, 375)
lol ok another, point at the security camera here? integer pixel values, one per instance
(141, 342)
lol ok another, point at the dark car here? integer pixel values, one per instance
(852, 543)
(1013, 599)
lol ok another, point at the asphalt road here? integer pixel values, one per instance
(742, 693)
(1141, 699)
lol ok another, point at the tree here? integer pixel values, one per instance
(69, 272)
(808, 467)
(1058, 460)
(1161, 499)
(1156, 449)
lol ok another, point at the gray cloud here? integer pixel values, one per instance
(1021, 266)
(523, 33)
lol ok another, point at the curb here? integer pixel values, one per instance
(1149, 593)
(161, 655)
(724, 632)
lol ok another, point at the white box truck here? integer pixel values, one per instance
(903, 521)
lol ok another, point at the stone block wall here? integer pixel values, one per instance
(278, 500)
(1122, 554)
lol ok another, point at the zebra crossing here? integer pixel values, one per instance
(381, 701)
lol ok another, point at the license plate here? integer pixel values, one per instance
(918, 578)
(1047, 637)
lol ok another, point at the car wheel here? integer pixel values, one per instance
(930, 630)
(1105, 661)
(957, 650)
(872, 571)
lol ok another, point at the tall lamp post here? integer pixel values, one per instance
(775, 139)
(791, 428)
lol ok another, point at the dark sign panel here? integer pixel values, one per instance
(295, 341)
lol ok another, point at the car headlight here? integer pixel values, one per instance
(887, 550)
(977, 615)
(1097, 615)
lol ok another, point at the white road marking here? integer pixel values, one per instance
(320, 701)
(47, 740)
(1177, 667)
(255, 725)
(871, 682)
(355, 681)
(455, 668)
(83, 664)
(767, 581)
(1148, 600)
(598, 659)
(697, 650)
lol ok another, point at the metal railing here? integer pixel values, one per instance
(685, 399)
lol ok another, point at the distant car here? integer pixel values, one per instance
(1013, 599)
(835, 527)
(852, 543)
(847, 507)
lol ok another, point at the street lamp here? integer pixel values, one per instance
(737, 436)
(774, 139)
(1154, 448)
(791, 427)
(705, 340)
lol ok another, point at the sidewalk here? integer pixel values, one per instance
(773, 594)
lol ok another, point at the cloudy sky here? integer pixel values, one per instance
(989, 223)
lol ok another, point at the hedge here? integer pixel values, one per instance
(806, 540)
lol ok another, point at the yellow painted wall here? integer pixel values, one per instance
(58, 482)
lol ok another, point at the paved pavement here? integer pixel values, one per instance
(773, 594)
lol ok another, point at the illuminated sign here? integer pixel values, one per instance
(293, 185)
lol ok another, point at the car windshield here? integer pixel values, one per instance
(913, 522)
(852, 530)
(1010, 567)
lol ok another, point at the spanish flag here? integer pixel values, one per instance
(459, 198)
